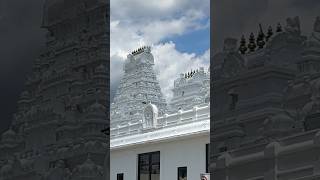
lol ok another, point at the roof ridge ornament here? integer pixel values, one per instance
(252, 45)
(141, 49)
(260, 38)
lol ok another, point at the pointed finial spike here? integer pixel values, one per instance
(260, 27)
(252, 45)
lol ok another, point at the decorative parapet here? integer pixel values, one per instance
(162, 134)
(197, 114)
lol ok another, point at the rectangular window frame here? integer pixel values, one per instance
(120, 176)
(150, 163)
(179, 169)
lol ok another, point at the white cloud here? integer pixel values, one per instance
(135, 23)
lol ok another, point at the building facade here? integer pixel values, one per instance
(265, 122)
(156, 141)
(56, 132)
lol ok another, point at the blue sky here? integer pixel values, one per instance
(197, 41)
(177, 30)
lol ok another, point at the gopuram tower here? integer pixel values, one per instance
(56, 131)
(138, 87)
(265, 119)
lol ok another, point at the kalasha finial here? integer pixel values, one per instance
(269, 33)
(243, 47)
(279, 28)
(260, 38)
(252, 45)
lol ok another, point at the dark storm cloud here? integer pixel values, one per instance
(21, 40)
(232, 18)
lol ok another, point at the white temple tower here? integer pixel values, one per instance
(138, 87)
(56, 132)
(190, 89)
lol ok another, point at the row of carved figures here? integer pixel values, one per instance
(258, 42)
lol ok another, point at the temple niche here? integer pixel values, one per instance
(150, 116)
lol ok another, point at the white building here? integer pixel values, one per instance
(150, 141)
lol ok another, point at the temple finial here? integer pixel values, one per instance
(260, 38)
(269, 33)
(243, 47)
(252, 45)
(279, 28)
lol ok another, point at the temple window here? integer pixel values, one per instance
(149, 166)
(120, 176)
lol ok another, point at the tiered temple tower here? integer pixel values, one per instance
(266, 109)
(190, 89)
(138, 87)
(56, 132)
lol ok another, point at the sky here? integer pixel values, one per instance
(177, 30)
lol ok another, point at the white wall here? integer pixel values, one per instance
(190, 152)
